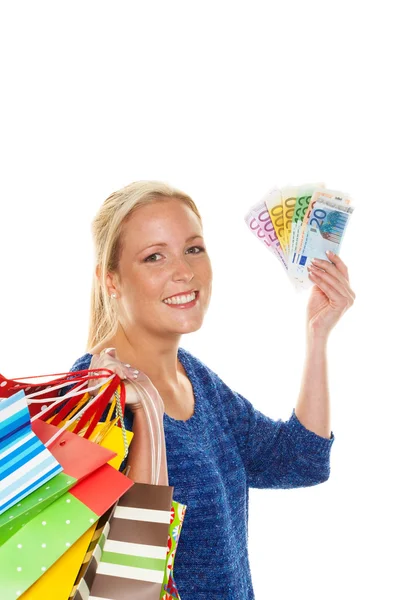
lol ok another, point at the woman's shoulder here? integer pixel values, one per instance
(188, 359)
(82, 362)
(195, 364)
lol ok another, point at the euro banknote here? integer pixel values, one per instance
(260, 224)
(299, 223)
(324, 231)
(304, 195)
(274, 205)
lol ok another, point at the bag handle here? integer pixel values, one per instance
(57, 384)
(76, 391)
(78, 399)
(117, 404)
(58, 377)
(95, 410)
(79, 414)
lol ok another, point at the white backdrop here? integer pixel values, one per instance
(223, 100)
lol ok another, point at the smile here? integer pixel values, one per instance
(183, 300)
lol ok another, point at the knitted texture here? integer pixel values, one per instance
(226, 447)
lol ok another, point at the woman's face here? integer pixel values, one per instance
(163, 256)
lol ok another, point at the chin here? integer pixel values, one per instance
(188, 327)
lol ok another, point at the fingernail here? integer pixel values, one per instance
(330, 253)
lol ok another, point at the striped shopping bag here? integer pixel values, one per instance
(25, 463)
(130, 560)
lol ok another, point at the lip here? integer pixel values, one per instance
(181, 294)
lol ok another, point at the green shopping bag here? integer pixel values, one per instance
(170, 590)
(16, 517)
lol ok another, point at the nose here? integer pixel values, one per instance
(182, 270)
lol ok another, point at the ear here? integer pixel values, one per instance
(111, 281)
(112, 284)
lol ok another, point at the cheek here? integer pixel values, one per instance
(205, 276)
(144, 286)
(207, 273)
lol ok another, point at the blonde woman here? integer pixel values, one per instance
(152, 284)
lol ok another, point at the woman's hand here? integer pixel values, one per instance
(147, 453)
(330, 297)
(107, 360)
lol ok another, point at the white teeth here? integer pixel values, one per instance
(180, 299)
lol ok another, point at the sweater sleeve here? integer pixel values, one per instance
(275, 453)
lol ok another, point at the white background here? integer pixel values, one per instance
(223, 100)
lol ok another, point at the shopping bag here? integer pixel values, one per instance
(95, 540)
(56, 583)
(169, 589)
(78, 456)
(25, 463)
(112, 438)
(17, 516)
(129, 562)
(45, 538)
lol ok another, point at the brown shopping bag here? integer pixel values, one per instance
(130, 560)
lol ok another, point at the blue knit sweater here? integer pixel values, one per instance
(214, 457)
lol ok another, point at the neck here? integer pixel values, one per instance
(155, 357)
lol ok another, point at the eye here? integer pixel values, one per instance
(199, 248)
(149, 258)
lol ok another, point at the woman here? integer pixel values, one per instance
(152, 284)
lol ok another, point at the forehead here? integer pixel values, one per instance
(160, 221)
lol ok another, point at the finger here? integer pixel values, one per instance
(109, 351)
(332, 287)
(339, 264)
(334, 272)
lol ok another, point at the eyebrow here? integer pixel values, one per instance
(192, 237)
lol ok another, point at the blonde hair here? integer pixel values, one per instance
(107, 229)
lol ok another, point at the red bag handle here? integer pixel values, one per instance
(68, 406)
(97, 409)
(11, 386)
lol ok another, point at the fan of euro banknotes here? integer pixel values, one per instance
(300, 223)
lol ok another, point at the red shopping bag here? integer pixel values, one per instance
(78, 456)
